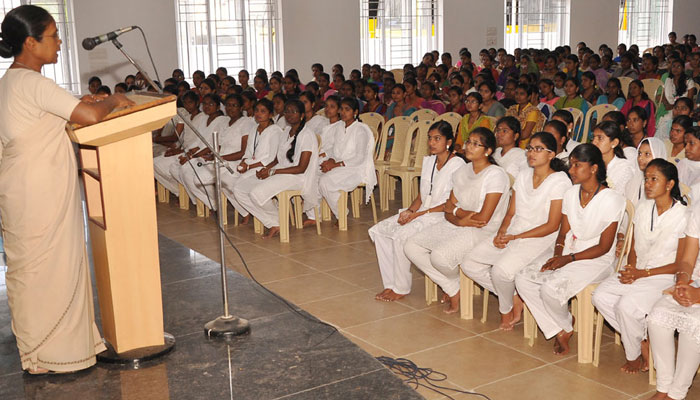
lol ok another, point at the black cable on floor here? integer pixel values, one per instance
(424, 377)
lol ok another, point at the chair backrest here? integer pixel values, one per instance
(654, 88)
(393, 128)
(493, 121)
(416, 146)
(627, 245)
(450, 117)
(422, 115)
(625, 84)
(398, 74)
(374, 121)
(578, 118)
(593, 117)
(422, 149)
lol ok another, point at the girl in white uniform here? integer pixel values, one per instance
(473, 213)
(659, 223)
(508, 155)
(689, 167)
(187, 140)
(565, 117)
(233, 139)
(528, 231)
(607, 138)
(293, 168)
(260, 151)
(648, 149)
(678, 310)
(215, 121)
(350, 162)
(314, 123)
(557, 129)
(278, 102)
(390, 235)
(583, 252)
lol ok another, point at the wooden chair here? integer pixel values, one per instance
(452, 118)
(625, 84)
(412, 164)
(578, 120)
(654, 88)
(599, 111)
(586, 312)
(422, 115)
(374, 121)
(400, 126)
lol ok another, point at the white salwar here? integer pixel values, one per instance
(261, 148)
(513, 161)
(440, 248)
(255, 195)
(167, 130)
(688, 171)
(390, 237)
(547, 293)
(188, 140)
(625, 306)
(327, 136)
(635, 189)
(200, 180)
(674, 375)
(354, 146)
(495, 269)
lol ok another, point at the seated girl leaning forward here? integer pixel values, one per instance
(294, 168)
(583, 253)
(528, 231)
(625, 299)
(678, 310)
(473, 213)
(390, 235)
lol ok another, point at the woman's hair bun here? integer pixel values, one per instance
(5, 48)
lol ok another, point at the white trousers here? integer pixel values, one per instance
(161, 171)
(625, 307)
(435, 265)
(228, 185)
(256, 195)
(332, 182)
(675, 371)
(547, 293)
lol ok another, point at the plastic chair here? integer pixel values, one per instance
(409, 169)
(599, 111)
(578, 119)
(398, 74)
(452, 118)
(400, 126)
(283, 201)
(654, 88)
(423, 114)
(625, 84)
(374, 121)
(356, 197)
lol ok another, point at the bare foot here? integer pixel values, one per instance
(309, 222)
(517, 311)
(633, 367)
(245, 220)
(380, 295)
(444, 299)
(506, 320)
(645, 355)
(453, 305)
(561, 342)
(272, 232)
(659, 396)
(38, 371)
(393, 296)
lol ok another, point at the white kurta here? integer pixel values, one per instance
(390, 237)
(328, 139)
(163, 164)
(625, 306)
(200, 180)
(316, 124)
(261, 148)
(513, 162)
(494, 268)
(440, 248)
(547, 293)
(688, 171)
(354, 146)
(619, 174)
(674, 376)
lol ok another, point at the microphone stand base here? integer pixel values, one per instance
(227, 327)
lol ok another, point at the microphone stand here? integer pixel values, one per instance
(225, 325)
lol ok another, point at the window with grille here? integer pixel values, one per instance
(398, 32)
(65, 71)
(537, 24)
(645, 23)
(235, 34)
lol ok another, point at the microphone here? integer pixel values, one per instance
(90, 43)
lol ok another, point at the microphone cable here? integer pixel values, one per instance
(153, 64)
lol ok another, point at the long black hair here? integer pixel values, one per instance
(591, 154)
(19, 24)
(561, 129)
(640, 84)
(670, 172)
(488, 139)
(513, 124)
(550, 143)
(445, 130)
(612, 131)
(642, 114)
(682, 81)
(300, 108)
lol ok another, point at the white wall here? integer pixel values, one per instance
(96, 17)
(686, 15)
(594, 22)
(475, 24)
(324, 31)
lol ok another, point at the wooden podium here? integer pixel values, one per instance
(117, 170)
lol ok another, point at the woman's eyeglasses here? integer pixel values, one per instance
(536, 149)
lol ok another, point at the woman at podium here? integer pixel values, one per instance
(48, 277)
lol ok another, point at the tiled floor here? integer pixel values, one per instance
(335, 277)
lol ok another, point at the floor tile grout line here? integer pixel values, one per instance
(192, 279)
(519, 351)
(344, 333)
(511, 376)
(592, 380)
(329, 383)
(408, 355)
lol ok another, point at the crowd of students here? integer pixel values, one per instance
(510, 197)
